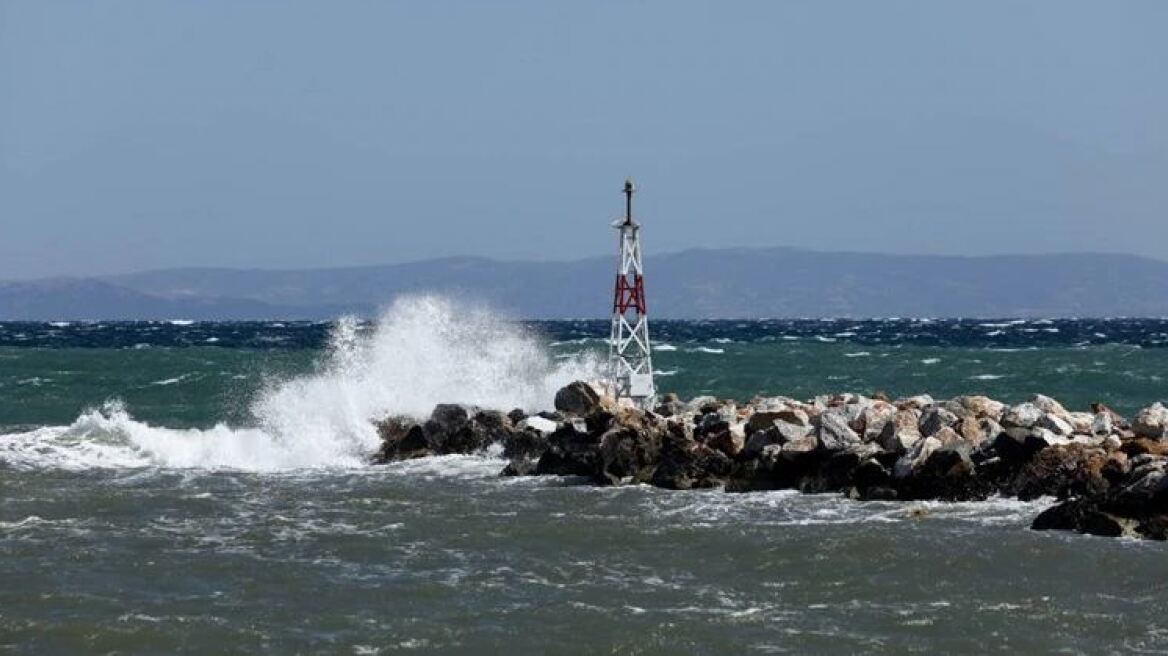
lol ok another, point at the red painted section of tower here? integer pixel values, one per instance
(629, 295)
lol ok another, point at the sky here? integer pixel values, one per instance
(157, 134)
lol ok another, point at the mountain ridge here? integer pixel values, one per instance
(697, 283)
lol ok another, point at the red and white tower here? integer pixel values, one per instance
(629, 360)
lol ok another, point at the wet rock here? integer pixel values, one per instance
(687, 464)
(401, 439)
(914, 458)
(570, 453)
(1018, 445)
(520, 467)
(577, 398)
(944, 472)
(1084, 516)
(727, 438)
(779, 433)
(451, 429)
(1062, 471)
(526, 443)
(837, 472)
(539, 424)
(628, 455)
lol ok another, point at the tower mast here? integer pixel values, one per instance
(629, 360)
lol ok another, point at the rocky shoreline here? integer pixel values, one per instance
(1108, 473)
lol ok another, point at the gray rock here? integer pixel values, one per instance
(834, 433)
(1102, 424)
(935, 418)
(981, 406)
(797, 447)
(900, 432)
(918, 402)
(1151, 422)
(916, 457)
(1023, 415)
(874, 417)
(1048, 405)
(1056, 424)
(779, 433)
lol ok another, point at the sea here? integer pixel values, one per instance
(201, 487)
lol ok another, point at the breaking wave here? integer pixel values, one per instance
(424, 350)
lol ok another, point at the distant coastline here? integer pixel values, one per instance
(693, 284)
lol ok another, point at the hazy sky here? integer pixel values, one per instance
(150, 134)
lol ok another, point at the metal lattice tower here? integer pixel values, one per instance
(629, 360)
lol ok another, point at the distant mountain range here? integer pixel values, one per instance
(722, 283)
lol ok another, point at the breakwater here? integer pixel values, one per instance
(1107, 470)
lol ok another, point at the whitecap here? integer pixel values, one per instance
(424, 350)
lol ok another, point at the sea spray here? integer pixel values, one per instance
(423, 350)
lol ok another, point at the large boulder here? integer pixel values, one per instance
(981, 407)
(1048, 405)
(525, 443)
(401, 439)
(1062, 471)
(571, 452)
(901, 432)
(454, 429)
(1151, 422)
(935, 418)
(1023, 415)
(873, 419)
(577, 398)
(941, 470)
(684, 463)
(628, 455)
(779, 433)
(833, 431)
(1084, 516)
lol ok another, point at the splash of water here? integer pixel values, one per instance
(424, 350)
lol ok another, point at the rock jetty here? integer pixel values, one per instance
(1109, 474)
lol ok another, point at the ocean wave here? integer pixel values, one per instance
(424, 350)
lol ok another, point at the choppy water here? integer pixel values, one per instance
(220, 501)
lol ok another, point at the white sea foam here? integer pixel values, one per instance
(424, 350)
(664, 347)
